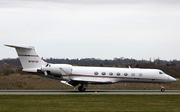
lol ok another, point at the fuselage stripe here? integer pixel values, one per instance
(113, 77)
(28, 55)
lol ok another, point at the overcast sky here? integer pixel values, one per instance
(105, 29)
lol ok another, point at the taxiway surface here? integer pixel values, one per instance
(51, 92)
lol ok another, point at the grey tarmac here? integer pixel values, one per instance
(56, 92)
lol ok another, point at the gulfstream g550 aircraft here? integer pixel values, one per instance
(74, 75)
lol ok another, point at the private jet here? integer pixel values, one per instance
(83, 75)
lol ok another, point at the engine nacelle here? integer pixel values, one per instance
(57, 69)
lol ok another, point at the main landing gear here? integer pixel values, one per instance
(162, 88)
(83, 87)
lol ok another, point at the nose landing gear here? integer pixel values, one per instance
(162, 88)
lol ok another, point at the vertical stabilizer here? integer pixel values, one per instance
(28, 56)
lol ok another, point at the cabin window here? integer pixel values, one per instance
(133, 74)
(110, 73)
(95, 73)
(140, 74)
(125, 74)
(118, 74)
(103, 73)
(160, 72)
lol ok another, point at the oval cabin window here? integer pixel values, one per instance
(140, 74)
(95, 73)
(133, 74)
(118, 74)
(103, 73)
(125, 74)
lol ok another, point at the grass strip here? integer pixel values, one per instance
(86, 103)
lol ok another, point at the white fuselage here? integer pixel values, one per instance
(103, 75)
(113, 75)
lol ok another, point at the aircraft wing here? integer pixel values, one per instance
(70, 83)
(92, 80)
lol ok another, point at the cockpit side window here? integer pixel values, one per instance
(161, 72)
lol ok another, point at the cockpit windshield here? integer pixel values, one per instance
(161, 72)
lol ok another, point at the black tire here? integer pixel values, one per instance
(162, 89)
(81, 89)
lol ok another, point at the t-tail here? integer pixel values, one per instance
(28, 57)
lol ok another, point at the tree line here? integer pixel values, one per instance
(9, 66)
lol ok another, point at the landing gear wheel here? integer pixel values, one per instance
(162, 89)
(81, 89)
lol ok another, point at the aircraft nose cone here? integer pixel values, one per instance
(172, 79)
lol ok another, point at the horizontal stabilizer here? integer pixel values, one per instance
(18, 46)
